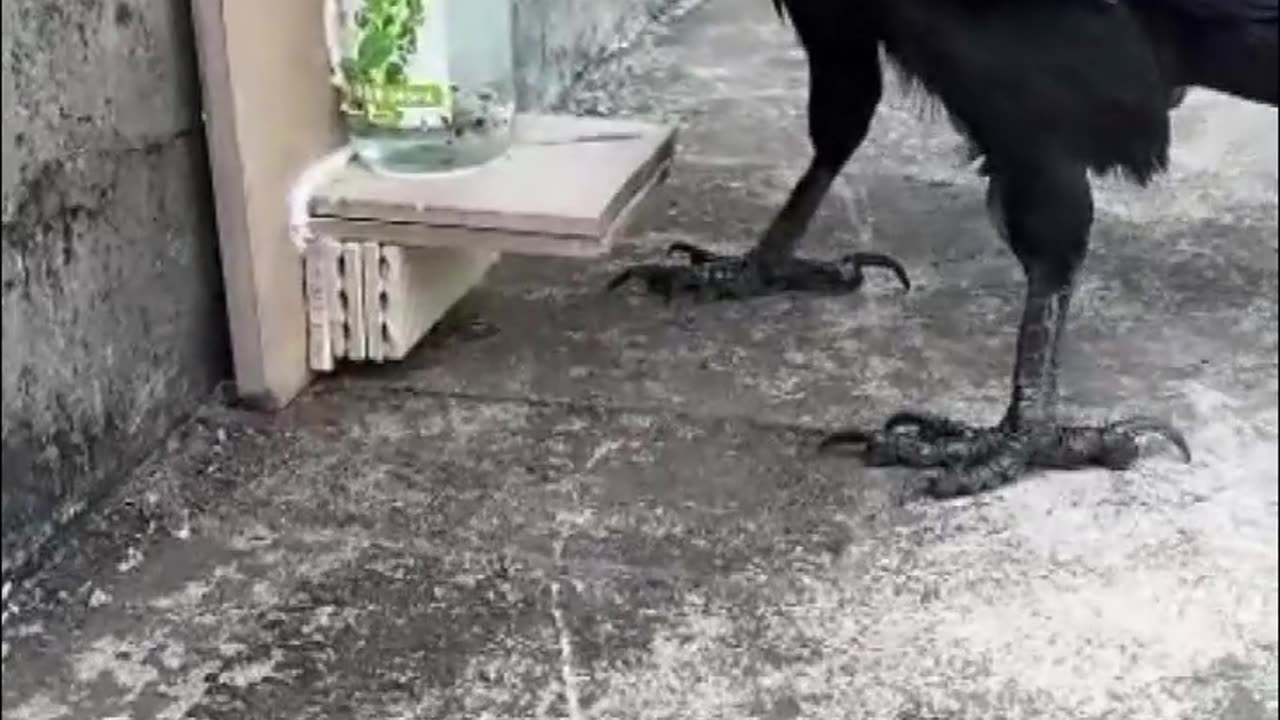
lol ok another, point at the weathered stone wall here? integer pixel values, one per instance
(113, 325)
(113, 321)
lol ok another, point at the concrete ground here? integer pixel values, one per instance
(611, 508)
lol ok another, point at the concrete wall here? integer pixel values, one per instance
(556, 39)
(113, 321)
(113, 325)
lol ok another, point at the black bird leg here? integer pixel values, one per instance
(845, 88)
(1050, 211)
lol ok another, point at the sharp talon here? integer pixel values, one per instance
(866, 260)
(974, 460)
(711, 276)
(934, 427)
(915, 420)
(1159, 428)
(696, 255)
(845, 437)
(904, 420)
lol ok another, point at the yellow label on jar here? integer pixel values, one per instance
(394, 62)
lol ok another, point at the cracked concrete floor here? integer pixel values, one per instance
(611, 508)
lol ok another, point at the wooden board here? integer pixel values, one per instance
(419, 287)
(325, 320)
(409, 234)
(564, 183)
(373, 303)
(371, 264)
(270, 110)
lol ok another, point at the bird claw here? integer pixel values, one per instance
(707, 276)
(711, 275)
(1136, 427)
(695, 254)
(926, 424)
(976, 459)
(853, 265)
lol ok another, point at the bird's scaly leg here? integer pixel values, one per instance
(976, 459)
(845, 88)
(1051, 211)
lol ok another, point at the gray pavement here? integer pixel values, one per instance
(611, 508)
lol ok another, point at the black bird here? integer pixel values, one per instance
(1046, 93)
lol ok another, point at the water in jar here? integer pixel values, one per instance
(429, 85)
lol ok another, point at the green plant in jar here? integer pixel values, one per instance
(377, 71)
(425, 85)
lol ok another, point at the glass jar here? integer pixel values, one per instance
(427, 86)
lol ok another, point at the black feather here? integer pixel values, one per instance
(1221, 10)
(1085, 80)
(1046, 90)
